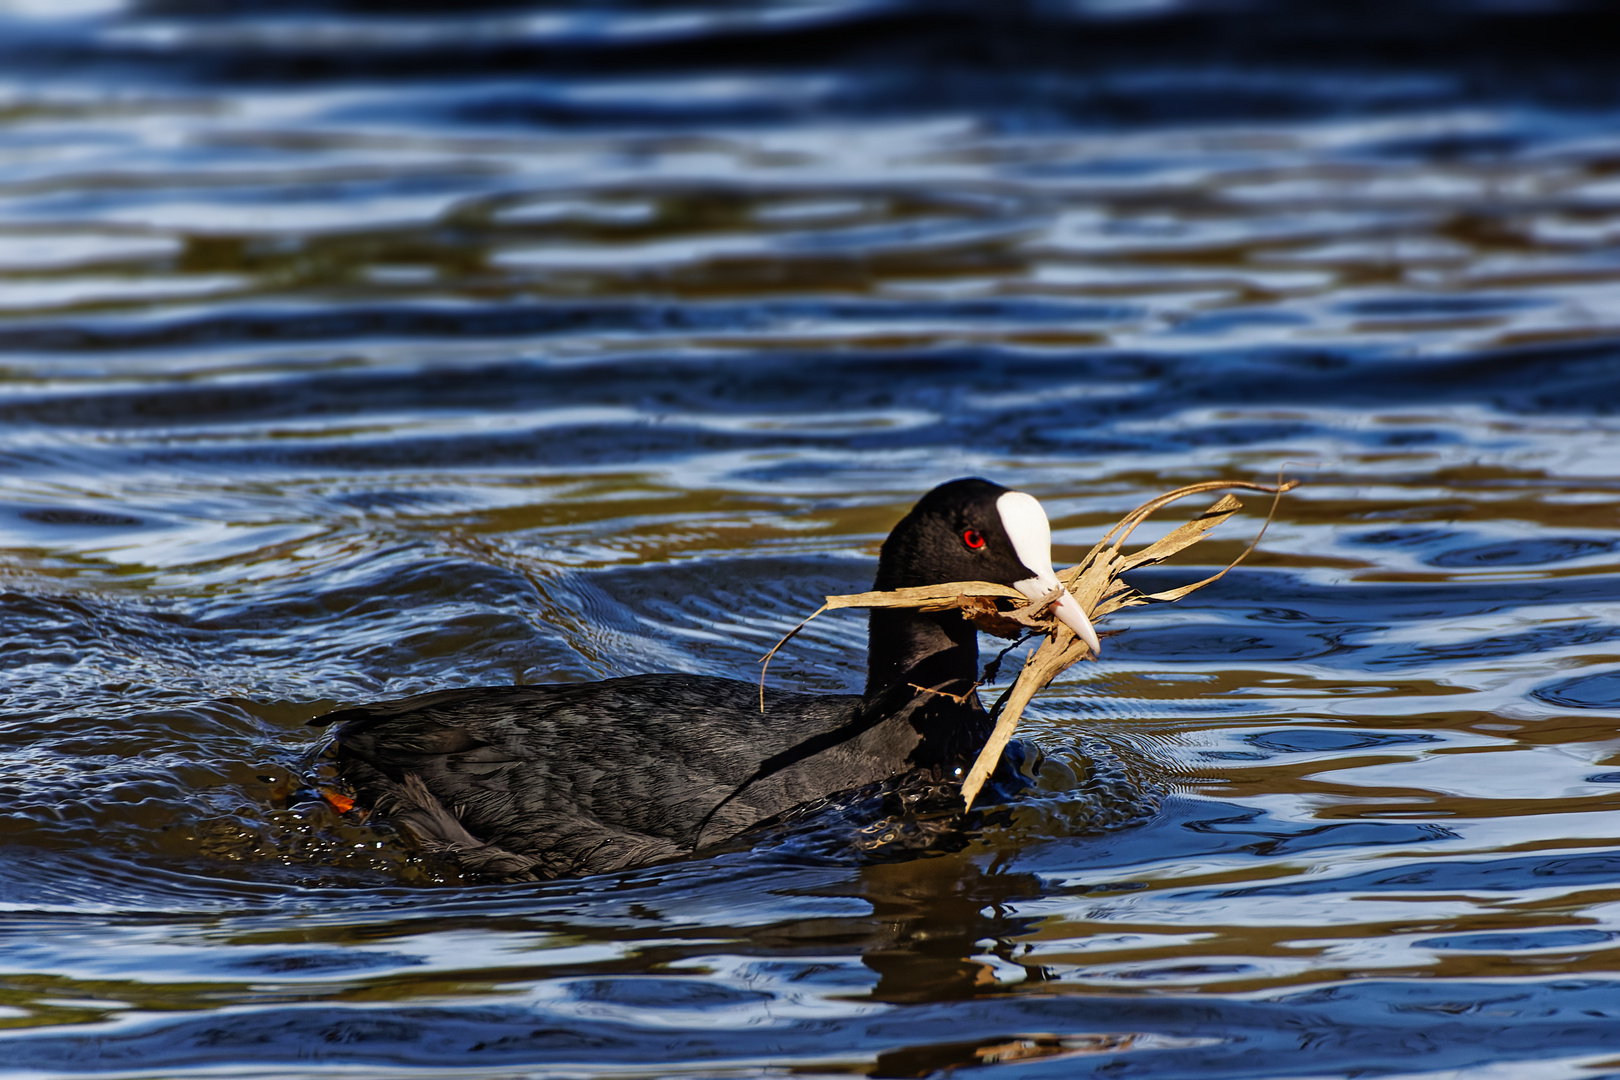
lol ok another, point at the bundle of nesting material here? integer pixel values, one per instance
(1094, 581)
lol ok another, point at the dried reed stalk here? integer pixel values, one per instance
(1095, 581)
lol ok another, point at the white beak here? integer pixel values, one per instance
(1067, 609)
(1031, 534)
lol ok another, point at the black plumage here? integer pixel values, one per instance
(590, 777)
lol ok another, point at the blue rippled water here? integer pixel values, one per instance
(346, 354)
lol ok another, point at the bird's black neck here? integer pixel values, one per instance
(936, 649)
(940, 652)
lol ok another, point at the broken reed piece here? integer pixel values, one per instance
(1095, 581)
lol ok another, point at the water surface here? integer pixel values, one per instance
(345, 356)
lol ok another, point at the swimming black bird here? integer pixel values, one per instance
(546, 781)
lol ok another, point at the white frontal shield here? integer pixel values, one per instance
(1024, 519)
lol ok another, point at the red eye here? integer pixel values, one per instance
(973, 538)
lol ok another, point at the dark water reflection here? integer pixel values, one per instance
(347, 354)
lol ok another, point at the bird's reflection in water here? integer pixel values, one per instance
(933, 916)
(937, 920)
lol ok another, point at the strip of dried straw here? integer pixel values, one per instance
(1095, 581)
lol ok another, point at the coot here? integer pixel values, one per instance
(546, 781)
